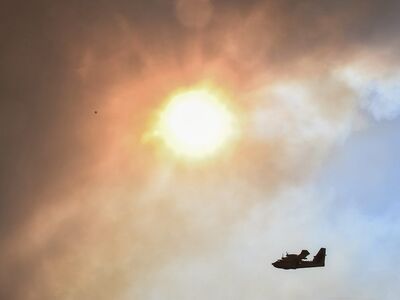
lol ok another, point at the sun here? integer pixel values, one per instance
(196, 123)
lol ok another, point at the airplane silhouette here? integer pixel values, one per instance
(297, 261)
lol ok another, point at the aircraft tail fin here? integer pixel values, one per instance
(320, 257)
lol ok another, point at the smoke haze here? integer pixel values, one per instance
(91, 209)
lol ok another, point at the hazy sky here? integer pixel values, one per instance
(90, 209)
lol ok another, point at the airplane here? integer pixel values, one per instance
(297, 261)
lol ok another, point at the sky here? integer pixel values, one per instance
(92, 208)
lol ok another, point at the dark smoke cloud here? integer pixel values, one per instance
(87, 211)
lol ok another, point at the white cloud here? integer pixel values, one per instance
(300, 217)
(379, 94)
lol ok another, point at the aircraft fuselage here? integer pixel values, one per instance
(294, 261)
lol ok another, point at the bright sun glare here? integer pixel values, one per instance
(196, 124)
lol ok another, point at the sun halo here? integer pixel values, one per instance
(196, 123)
